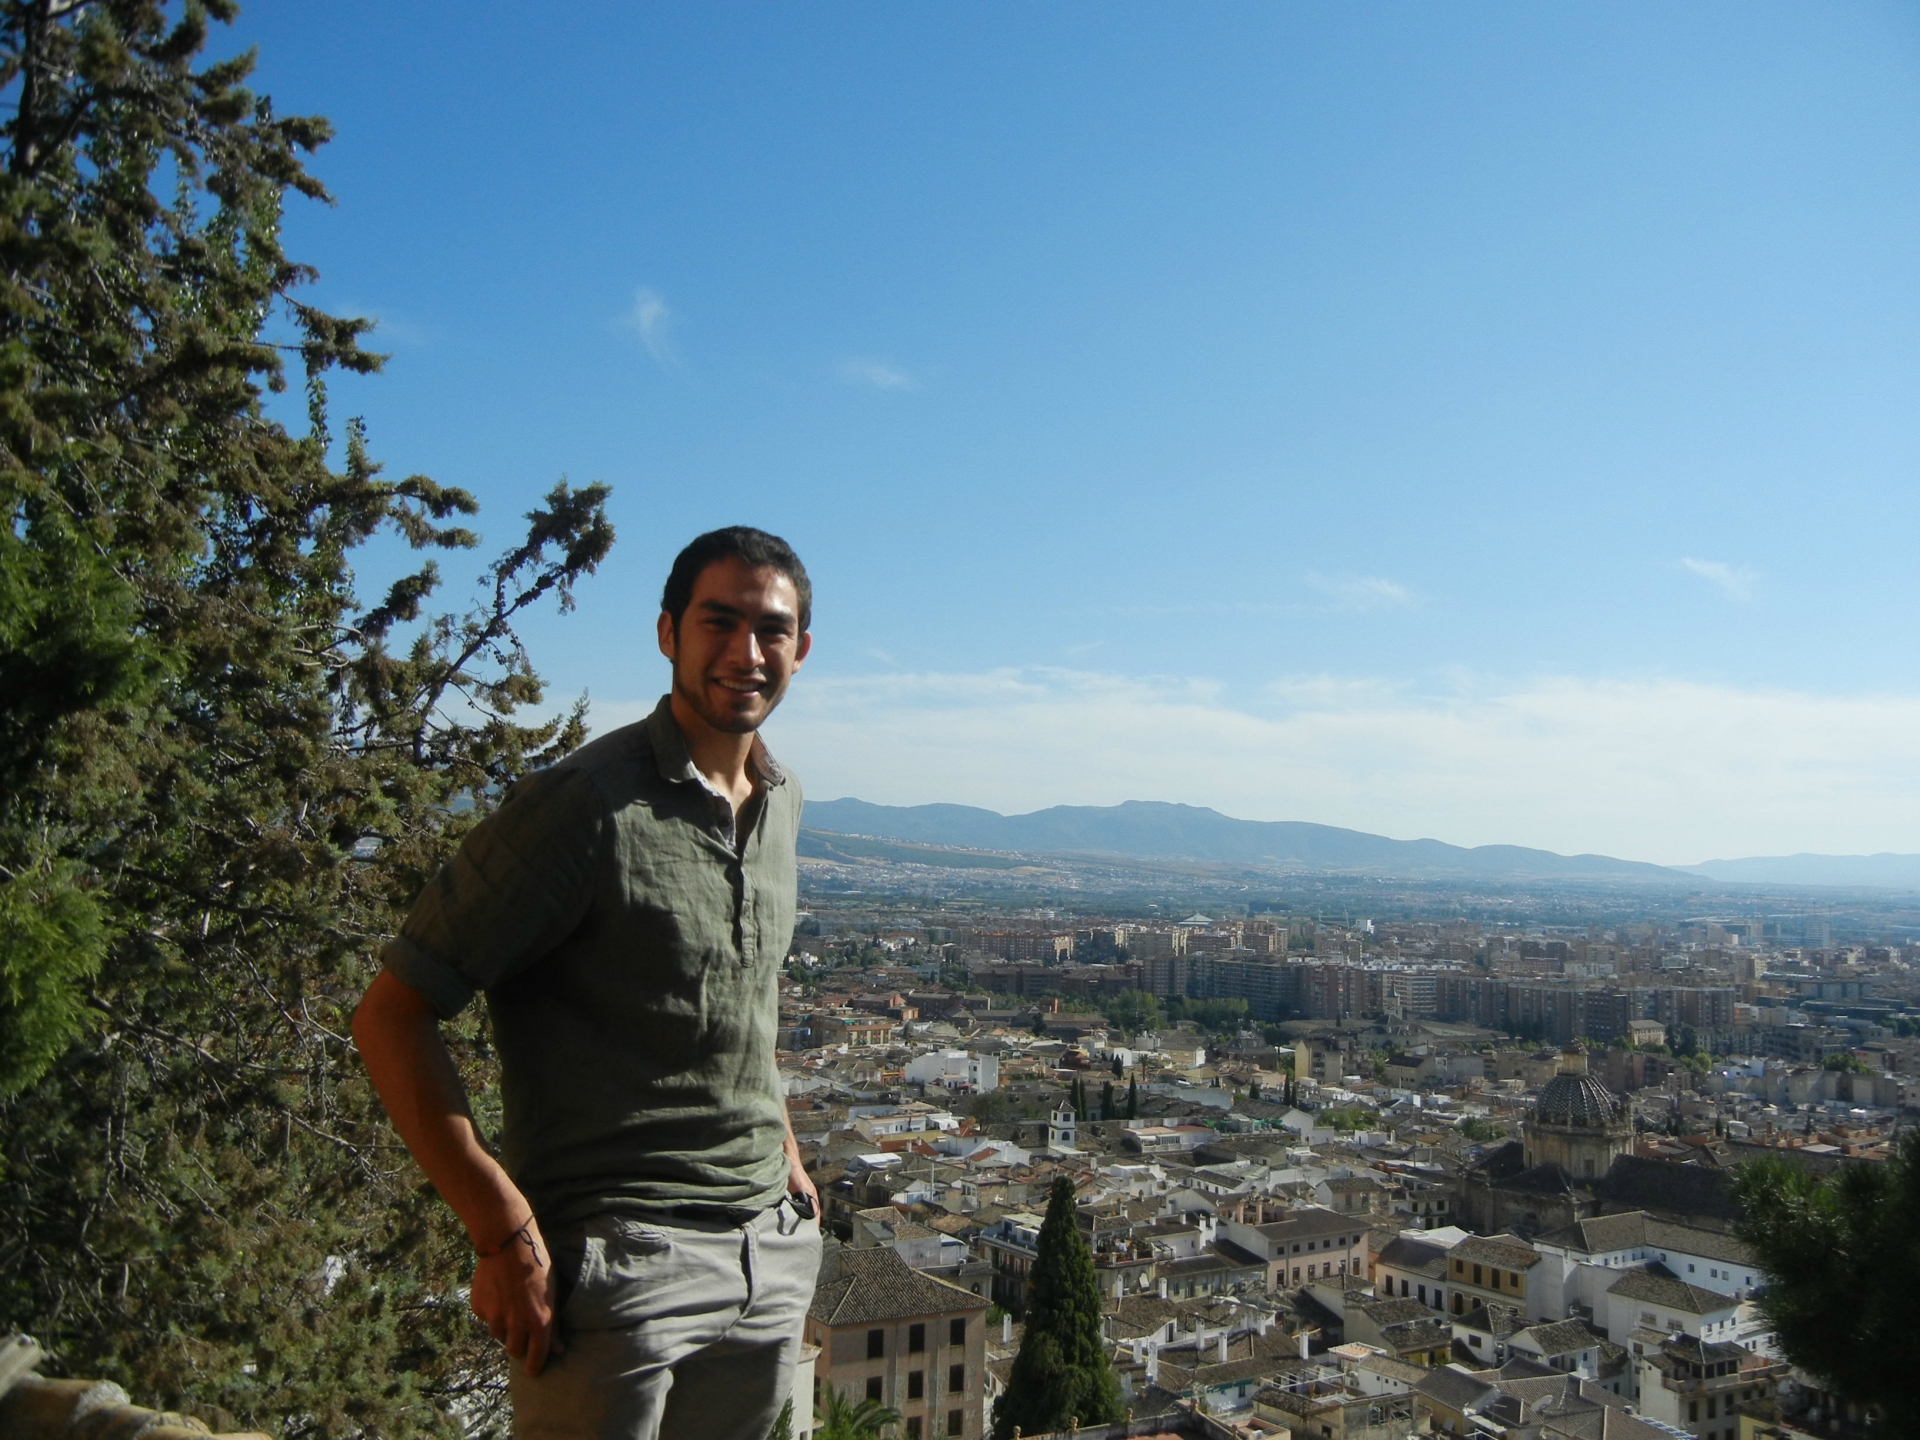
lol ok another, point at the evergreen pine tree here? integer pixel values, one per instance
(1842, 1257)
(1118, 1071)
(1106, 1100)
(1062, 1372)
(1133, 1098)
(223, 775)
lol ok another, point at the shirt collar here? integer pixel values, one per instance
(676, 764)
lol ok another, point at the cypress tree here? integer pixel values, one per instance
(1061, 1373)
(1133, 1098)
(1106, 1100)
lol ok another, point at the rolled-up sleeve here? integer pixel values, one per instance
(521, 882)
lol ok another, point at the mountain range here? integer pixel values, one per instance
(1159, 830)
(1152, 829)
(1884, 871)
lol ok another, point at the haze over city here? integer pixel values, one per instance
(1488, 423)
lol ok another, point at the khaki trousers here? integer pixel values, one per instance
(686, 1330)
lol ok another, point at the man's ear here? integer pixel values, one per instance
(666, 635)
(800, 650)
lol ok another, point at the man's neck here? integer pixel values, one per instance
(721, 756)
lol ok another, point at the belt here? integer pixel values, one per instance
(735, 1215)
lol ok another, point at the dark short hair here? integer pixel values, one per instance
(737, 542)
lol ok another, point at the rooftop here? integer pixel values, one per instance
(862, 1287)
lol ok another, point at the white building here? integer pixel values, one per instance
(955, 1070)
(1580, 1262)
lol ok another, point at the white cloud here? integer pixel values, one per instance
(1666, 770)
(876, 375)
(1360, 593)
(652, 321)
(1736, 581)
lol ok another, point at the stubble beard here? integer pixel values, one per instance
(726, 722)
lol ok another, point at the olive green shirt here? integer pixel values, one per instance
(629, 943)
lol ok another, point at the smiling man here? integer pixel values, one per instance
(647, 1241)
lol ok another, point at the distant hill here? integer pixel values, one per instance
(1152, 829)
(1883, 871)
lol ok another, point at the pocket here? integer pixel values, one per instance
(610, 1278)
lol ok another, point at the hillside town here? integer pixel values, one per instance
(1360, 1180)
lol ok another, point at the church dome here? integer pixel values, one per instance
(1575, 1099)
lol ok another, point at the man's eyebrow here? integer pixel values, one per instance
(734, 612)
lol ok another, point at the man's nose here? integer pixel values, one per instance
(749, 649)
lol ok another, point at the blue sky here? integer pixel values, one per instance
(1494, 422)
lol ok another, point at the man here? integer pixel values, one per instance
(647, 1247)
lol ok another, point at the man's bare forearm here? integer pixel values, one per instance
(513, 1282)
(399, 1039)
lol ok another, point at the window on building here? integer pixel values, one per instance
(913, 1427)
(957, 1331)
(876, 1344)
(1476, 1276)
(873, 1387)
(956, 1378)
(916, 1384)
(916, 1339)
(956, 1422)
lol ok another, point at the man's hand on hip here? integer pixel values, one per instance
(801, 1183)
(515, 1292)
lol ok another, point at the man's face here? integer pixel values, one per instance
(737, 646)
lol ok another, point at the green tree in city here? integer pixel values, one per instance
(1106, 1100)
(1133, 1099)
(1062, 1372)
(223, 773)
(843, 1419)
(1135, 1010)
(1118, 1069)
(1842, 1257)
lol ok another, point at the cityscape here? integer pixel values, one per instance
(1368, 1175)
